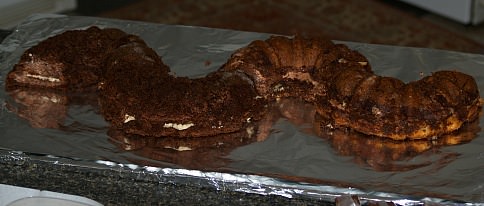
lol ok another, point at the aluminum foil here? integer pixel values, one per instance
(290, 160)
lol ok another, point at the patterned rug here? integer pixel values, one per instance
(369, 21)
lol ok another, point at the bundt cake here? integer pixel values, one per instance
(339, 81)
(139, 96)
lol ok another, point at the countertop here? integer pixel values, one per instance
(112, 187)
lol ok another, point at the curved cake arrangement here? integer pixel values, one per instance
(139, 96)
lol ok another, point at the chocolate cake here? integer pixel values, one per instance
(72, 60)
(383, 106)
(139, 96)
(340, 83)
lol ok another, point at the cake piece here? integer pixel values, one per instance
(341, 84)
(72, 60)
(139, 96)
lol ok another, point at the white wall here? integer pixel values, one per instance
(463, 11)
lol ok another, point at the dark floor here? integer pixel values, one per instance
(370, 21)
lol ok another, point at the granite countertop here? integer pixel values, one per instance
(111, 187)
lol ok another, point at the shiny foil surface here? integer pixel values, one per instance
(292, 159)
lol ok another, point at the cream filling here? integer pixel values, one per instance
(301, 76)
(128, 118)
(43, 78)
(51, 99)
(178, 126)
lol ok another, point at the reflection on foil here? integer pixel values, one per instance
(191, 153)
(45, 108)
(384, 154)
(48, 108)
(42, 108)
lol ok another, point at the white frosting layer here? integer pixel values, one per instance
(128, 118)
(43, 78)
(178, 126)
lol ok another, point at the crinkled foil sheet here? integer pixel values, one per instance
(289, 162)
